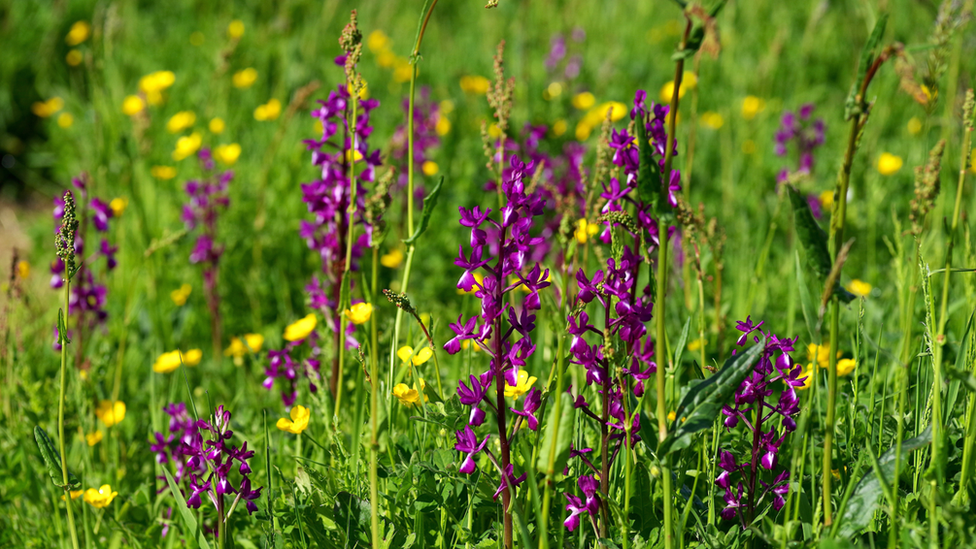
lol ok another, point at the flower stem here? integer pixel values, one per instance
(374, 443)
(64, 376)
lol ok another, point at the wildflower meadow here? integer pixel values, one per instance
(439, 274)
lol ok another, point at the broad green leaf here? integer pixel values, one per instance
(52, 460)
(648, 172)
(863, 503)
(701, 406)
(562, 439)
(851, 107)
(812, 237)
(185, 514)
(430, 202)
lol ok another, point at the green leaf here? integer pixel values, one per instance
(52, 460)
(851, 106)
(965, 378)
(430, 202)
(863, 503)
(812, 237)
(648, 172)
(185, 514)
(562, 439)
(693, 44)
(701, 406)
(679, 349)
(353, 516)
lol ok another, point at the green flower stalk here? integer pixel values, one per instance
(64, 244)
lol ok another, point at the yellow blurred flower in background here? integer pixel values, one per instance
(153, 85)
(239, 348)
(406, 353)
(180, 295)
(65, 120)
(914, 126)
(110, 413)
(268, 111)
(23, 269)
(889, 164)
(94, 438)
(73, 58)
(227, 154)
(584, 100)
(118, 206)
(181, 121)
(688, 81)
(474, 84)
(393, 259)
(827, 199)
(167, 362)
(245, 78)
(217, 125)
(859, 288)
(298, 422)
(187, 145)
(48, 108)
(359, 313)
(751, 106)
(585, 230)
(300, 329)
(235, 29)
(79, 32)
(377, 41)
(429, 168)
(712, 120)
(133, 105)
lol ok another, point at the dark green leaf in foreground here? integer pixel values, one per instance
(52, 460)
(430, 201)
(704, 401)
(864, 501)
(189, 521)
(813, 238)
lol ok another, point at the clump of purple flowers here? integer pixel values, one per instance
(805, 133)
(87, 298)
(207, 462)
(768, 419)
(206, 198)
(500, 248)
(558, 53)
(283, 365)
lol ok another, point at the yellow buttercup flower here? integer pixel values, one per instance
(475, 84)
(914, 126)
(468, 344)
(889, 164)
(386, 59)
(298, 422)
(820, 354)
(443, 126)
(79, 33)
(235, 29)
(429, 168)
(494, 131)
(751, 106)
(359, 313)
(180, 295)
(110, 414)
(269, 111)
(407, 353)
(168, 362)
(377, 41)
(402, 70)
(48, 108)
(859, 288)
(118, 206)
(522, 386)
(23, 269)
(407, 396)
(100, 498)
(585, 230)
(559, 127)
(227, 154)
(217, 125)
(301, 329)
(393, 259)
(671, 414)
(808, 374)
(696, 345)
(552, 91)
(65, 120)
(688, 81)
(187, 145)
(133, 105)
(73, 58)
(827, 199)
(845, 366)
(94, 438)
(75, 494)
(181, 121)
(245, 78)
(584, 100)
(153, 85)
(712, 120)
(250, 344)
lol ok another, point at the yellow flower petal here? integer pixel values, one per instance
(217, 125)
(227, 154)
(110, 414)
(407, 396)
(859, 288)
(79, 33)
(751, 106)
(889, 164)
(235, 29)
(301, 329)
(100, 498)
(393, 259)
(245, 78)
(477, 85)
(94, 438)
(359, 313)
(133, 105)
(298, 422)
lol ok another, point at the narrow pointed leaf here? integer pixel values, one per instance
(185, 514)
(812, 237)
(703, 402)
(52, 460)
(430, 202)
